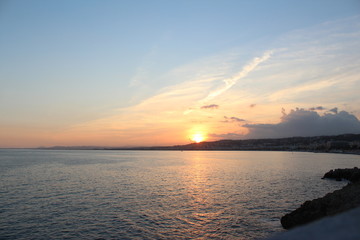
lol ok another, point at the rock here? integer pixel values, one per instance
(332, 203)
(344, 226)
(351, 174)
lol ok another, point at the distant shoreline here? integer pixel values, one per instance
(185, 150)
(189, 150)
(343, 144)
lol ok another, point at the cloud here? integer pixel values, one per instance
(319, 108)
(301, 89)
(316, 64)
(307, 67)
(334, 110)
(300, 122)
(143, 71)
(225, 80)
(211, 106)
(229, 82)
(233, 119)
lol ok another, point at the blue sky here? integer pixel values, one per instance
(104, 70)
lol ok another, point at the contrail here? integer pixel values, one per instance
(229, 82)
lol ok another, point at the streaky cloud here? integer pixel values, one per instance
(229, 82)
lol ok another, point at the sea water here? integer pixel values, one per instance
(48, 194)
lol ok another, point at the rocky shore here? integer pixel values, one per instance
(332, 203)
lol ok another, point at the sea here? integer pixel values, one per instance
(111, 194)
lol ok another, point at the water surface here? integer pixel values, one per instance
(157, 194)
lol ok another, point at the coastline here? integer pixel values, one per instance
(344, 144)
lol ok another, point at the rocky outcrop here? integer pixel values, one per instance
(351, 174)
(332, 203)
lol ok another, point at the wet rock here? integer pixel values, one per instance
(332, 203)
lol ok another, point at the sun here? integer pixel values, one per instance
(198, 137)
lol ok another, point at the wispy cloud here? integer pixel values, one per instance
(317, 64)
(293, 91)
(143, 71)
(301, 71)
(229, 82)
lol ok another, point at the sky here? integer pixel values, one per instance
(149, 73)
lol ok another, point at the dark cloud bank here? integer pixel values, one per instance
(306, 123)
(301, 123)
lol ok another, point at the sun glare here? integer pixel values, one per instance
(197, 138)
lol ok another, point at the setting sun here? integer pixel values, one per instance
(197, 138)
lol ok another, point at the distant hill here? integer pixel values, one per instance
(349, 143)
